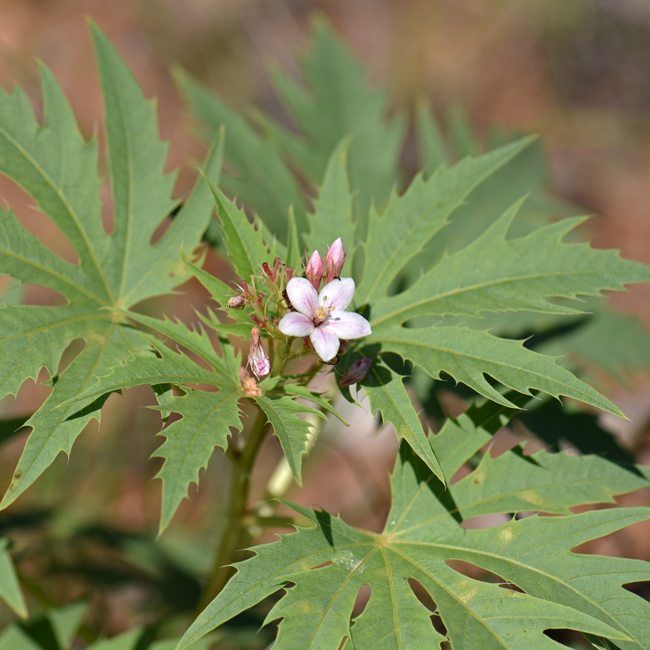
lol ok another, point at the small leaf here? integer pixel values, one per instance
(431, 147)
(9, 588)
(66, 621)
(206, 421)
(386, 392)
(245, 244)
(282, 413)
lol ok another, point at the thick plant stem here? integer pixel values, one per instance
(235, 535)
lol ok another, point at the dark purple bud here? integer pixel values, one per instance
(357, 372)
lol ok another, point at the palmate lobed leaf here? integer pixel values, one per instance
(59, 170)
(561, 589)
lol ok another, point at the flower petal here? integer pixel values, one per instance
(337, 294)
(347, 325)
(303, 296)
(325, 343)
(296, 324)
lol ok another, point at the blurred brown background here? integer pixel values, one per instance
(576, 72)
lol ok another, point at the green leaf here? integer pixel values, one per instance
(496, 274)
(54, 430)
(54, 165)
(335, 103)
(333, 217)
(526, 174)
(330, 562)
(219, 290)
(412, 219)
(617, 343)
(282, 413)
(263, 180)
(468, 355)
(246, 248)
(206, 422)
(431, 149)
(9, 588)
(386, 392)
(196, 341)
(165, 270)
(66, 621)
(13, 638)
(137, 370)
(207, 416)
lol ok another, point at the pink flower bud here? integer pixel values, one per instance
(237, 302)
(357, 372)
(314, 270)
(258, 359)
(335, 260)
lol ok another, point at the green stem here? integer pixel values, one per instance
(235, 535)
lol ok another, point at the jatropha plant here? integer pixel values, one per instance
(370, 284)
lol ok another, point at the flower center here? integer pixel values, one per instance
(322, 314)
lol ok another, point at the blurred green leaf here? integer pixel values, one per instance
(9, 588)
(262, 178)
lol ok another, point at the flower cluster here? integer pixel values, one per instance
(322, 316)
(298, 307)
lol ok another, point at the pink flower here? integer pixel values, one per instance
(357, 372)
(314, 270)
(258, 359)
(322, 317)
(335, 260)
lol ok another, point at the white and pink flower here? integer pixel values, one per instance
(322, 316)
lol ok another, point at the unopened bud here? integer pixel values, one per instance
(335, 260)
(258, 359)
(357, 372)
(314, 270)
(237, 302)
